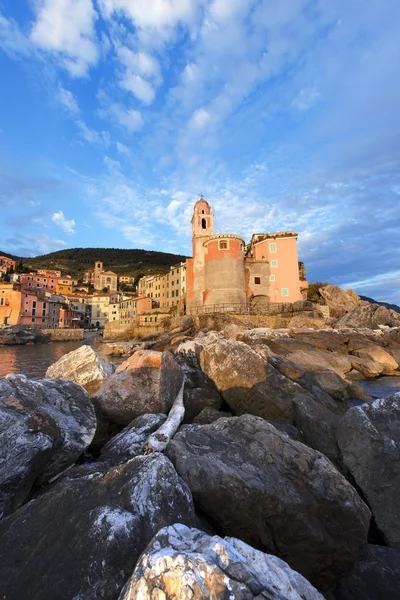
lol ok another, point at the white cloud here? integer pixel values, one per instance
(200, 118)
(59, 219)
(68, 100)
(92, 136)
(142, 89)
(122, 149)
(66, 28)
(129, 119)
(12, 40)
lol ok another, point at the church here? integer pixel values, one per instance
(224, 270)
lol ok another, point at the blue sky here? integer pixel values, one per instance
(116, 114)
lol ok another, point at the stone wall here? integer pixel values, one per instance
(63, 335)
(114, 331)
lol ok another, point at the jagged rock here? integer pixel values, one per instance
(16, 334)
(321, 360)
(375, 576)
(339, 388)
(290, 430)
(286, 367)
(82, 537)
(247, 383)
(118, 348)
(147, 382)
(369, 316)
(386, 362)
(44, 427)
(209, 415)
(369, 439)
(339, 301)
(368, 368)
(253, 482)
(200, 391)
(129, 442)
(323, 340)
(182, 564)
(83, 366)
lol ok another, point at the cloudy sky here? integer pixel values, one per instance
(115, 115)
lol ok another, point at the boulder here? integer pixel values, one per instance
(370, 316)
(253, 482)
(118, 348)
(247, 383)
(386, 362)
(369, 439)
(339, 388)
(44, 428)
(312, 320)
(339, 301)
(147, 382)
(129, 442)
(367, 367)
(83, 366)
(375, 576)
(82, 537)
(17, 335)
(209, 415)
(200, 391)
(321, 360)
(182, 564)
(324, 340)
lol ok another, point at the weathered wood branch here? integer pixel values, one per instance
(158, 441)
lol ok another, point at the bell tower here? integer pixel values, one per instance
(203, 219)
(202, 229)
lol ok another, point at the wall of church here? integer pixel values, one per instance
(224, 271)
(257, 278)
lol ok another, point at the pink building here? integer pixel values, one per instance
(227, 273)
(37, 281)
(7, 264)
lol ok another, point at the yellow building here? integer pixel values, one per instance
(64, 288)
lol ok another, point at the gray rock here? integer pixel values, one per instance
(82, 537)
(339, 388)
(247, 382)
(182, 564)
(44, 427)
(147, 382)
(83, 366)
(375, 576)
(209, 415)
(370, 316)
(253, 482)
(129, 442)
(369, 439)
(200, 391)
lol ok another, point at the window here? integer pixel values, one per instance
(33, 319)
(285, 292)
(202, 212)
(272, 247)
(203, 224)
(1, 301)
(223, 244)
(274, 263)
(272, 277)
(257, 280)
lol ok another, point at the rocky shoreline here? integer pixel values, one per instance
(272, 487)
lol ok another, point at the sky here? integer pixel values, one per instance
(116, 115)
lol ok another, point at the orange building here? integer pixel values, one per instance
(10, 304)
(7, 264)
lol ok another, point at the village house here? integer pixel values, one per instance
(7, 264)
(130, 308)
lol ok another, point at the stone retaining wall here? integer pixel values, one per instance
(64, 335)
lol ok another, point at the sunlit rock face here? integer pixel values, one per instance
(187, 564)
(83, 366)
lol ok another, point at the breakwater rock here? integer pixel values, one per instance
(273, 486)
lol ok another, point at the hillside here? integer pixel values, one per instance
(123, 262)
(385, 304)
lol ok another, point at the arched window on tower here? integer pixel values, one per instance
(203, 224)
(202, 212)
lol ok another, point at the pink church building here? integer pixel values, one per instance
(224, 270)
